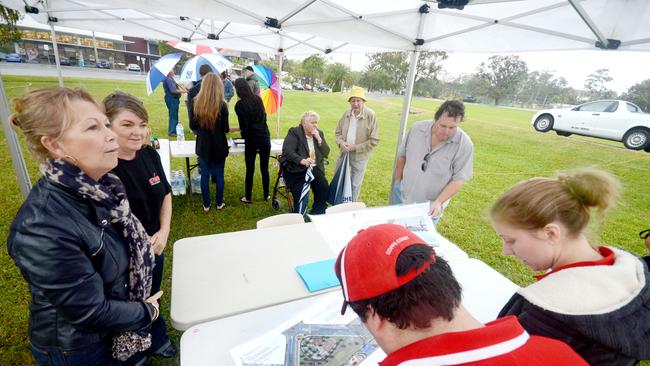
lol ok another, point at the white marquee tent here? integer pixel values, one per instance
(315, 26)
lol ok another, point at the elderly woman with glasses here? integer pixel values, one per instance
(86, 258)
(304, 152)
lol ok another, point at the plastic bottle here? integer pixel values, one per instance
(174, 183)
(182, 183)
(154, 141)
(180, 132)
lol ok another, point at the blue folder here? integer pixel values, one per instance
(318, 275)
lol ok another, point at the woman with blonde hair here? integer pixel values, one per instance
(594, 298)
(305, 149)
(85, 256)
(209, 118)
(148, 191)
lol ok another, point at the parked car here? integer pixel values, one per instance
(297, 86)
(14, 57)
(307, 87)
(469, 99)
(103, 64)
(616, 120)
(286, 85)
(323, 88)
(133, 67)
(64, 61)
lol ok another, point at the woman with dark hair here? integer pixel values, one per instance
(86, 257)
(209, 118)
(148, 191)
(252, 123)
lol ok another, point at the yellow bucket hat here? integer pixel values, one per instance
(357, 92)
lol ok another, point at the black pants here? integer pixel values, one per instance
(319, 186)
(255, 145)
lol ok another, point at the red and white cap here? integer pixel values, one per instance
(368, 263)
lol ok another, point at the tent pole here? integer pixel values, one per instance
(95, 48)
(408, 93)
(56, 55)
(280, 60)
(14, 145)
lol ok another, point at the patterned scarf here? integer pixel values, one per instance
(109, 193)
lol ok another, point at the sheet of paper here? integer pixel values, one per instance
(318, 275)
(338, 229)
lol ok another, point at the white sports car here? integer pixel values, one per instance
(616, 120)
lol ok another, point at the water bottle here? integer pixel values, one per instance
(195, 182)
(180, 132)
(174, 183)
(182, 183)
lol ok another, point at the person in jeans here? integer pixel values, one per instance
(209, 118)
(148, 191)
(254, 130)
(85, 256)
(172, 101)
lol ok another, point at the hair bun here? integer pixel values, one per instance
(13, 119)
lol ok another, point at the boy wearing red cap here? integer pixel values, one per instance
(410, 302)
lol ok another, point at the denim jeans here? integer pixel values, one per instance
(172, 107)
(208, 169)
(98, 354)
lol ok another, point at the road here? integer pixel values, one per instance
(7, 68)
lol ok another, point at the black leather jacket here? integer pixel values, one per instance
(295, 148)
(76, 266)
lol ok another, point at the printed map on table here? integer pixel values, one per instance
(319, 336)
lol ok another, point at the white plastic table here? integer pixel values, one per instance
(163, 152)
(186, 149)
(220, 275)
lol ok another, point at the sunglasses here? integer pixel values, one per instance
(644, 234)
(425, 162)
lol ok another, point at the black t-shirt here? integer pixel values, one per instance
(146, 186)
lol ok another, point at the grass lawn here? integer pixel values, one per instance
(507, 151)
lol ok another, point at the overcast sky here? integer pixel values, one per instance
(626, 68)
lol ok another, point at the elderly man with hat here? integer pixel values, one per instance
(251, 79)
(357, 134)
(411, 303)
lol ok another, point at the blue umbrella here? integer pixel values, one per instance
(304, 195)
(340, 189)
(160, 69)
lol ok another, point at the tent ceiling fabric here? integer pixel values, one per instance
(312, 26)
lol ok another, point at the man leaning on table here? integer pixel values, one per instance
(434, 160)
(411, 303)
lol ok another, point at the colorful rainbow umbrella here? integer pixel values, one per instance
(270, 89)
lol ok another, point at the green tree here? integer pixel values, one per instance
(596, 84)
(502, 76)
(313, 67)
(336, 74)
(396, 64)
(388, 71)
(376, 80)
(542, 88)
(8, 30)
(639, 94)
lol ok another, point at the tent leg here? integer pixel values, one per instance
(406, 107)
(280, 59)
(14, 145)
(56, 54)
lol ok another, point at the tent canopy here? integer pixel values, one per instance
(311, 26)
